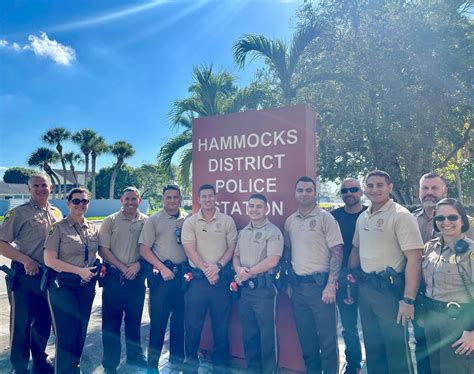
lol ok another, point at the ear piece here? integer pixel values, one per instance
(461, 247)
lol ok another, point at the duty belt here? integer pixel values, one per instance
(452, 308)
(319, 278)
(260, 281)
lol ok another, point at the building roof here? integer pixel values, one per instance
(13, 189)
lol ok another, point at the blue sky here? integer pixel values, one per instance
(115, 66)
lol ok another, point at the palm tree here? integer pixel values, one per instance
(98, 147)
(43, 158)
(282, 57)
(56, 136)
(73, 158)
(211, 94)
(85, 139)
(121, 150)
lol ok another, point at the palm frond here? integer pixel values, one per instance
(300, 41)
(171, 147)
(184, 167)
(245, 98)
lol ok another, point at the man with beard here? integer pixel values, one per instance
(347, 295)
(432, 189)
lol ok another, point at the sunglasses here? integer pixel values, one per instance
(80, 201)
(451, 218)
(350, 189)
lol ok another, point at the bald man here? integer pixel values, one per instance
(347, 295)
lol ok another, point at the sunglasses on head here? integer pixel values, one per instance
(350, 189)
(451, 218)
(80, 201)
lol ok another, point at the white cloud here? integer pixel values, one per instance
(44, 47)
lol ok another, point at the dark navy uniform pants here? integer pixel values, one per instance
(166, 303)
(30, 322)
(386, 342)
(316, 327)
(201, 297)
(257, 313)
(122, 302)
(71, 310)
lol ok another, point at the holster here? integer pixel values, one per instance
(319, 278)
(260, 281)
(155, 279)
(386, 281)
(12, 277)
(46, 278)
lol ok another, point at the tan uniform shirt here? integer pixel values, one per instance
(120, 234)
(27, 227)
(310, 238)
(255, 243)
(159, 233)
(70, 240)
(384, 235)
(212, 238)
(441, 275)
(425, 224)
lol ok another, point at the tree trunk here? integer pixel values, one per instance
(112, 181)
(93, 159)
(63, 163)
(457, 176)
(86, 173)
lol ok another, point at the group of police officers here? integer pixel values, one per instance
(354, 257)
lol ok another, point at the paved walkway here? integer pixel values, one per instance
(93, 348)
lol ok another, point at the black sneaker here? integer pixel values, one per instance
(45, 367)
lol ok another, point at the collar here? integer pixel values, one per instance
(313, 212)
(169, 216)
(252, 227)
(71, 222)
(387, 206)
(201, 217)
(124, 217)
(34, 206)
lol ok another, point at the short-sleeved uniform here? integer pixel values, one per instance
(76, 244)
(257, 305)
(347, 293)
(211, 239)
(166, 297)
(122, 297)
(310, 238)
(26, 226)
(449, 277)
(382, 238)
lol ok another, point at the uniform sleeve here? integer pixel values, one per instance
(10, 227)
(286, 235)
(332, 231)
(275, 243)
(148, 235)
(105, 233)
(356, 239)
(53, 239)
(237, 247)
(231, 234)
(187, 232)
(408, 232)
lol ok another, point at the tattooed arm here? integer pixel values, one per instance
(335, 262)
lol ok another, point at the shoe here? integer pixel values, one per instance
(110, 370)
(139, 361)
(152, 371)
(352, 370)
(45, 367)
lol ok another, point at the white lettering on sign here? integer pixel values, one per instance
(240, 207)
(253, 140)
(257, 185)
(245, 163)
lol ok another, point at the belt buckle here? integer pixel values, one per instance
(251, 284)
(453, 309)
(175, 270)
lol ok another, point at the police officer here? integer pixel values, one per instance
(26, 226)
(387, 246)
(123, 292)
(160, 246)
(258, 251)
(448, 273)
(313, 240)
(70, 250)
(209, 239)
(347, 293)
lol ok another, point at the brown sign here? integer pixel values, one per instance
(263, 151)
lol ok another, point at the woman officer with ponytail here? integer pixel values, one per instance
(448, 275)
(70, 250)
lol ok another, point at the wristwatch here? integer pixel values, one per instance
(219, 265)
(408, 301)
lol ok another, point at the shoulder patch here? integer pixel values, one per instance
(472, 256)
(57, 213)
(471, 222)
(8, 215)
